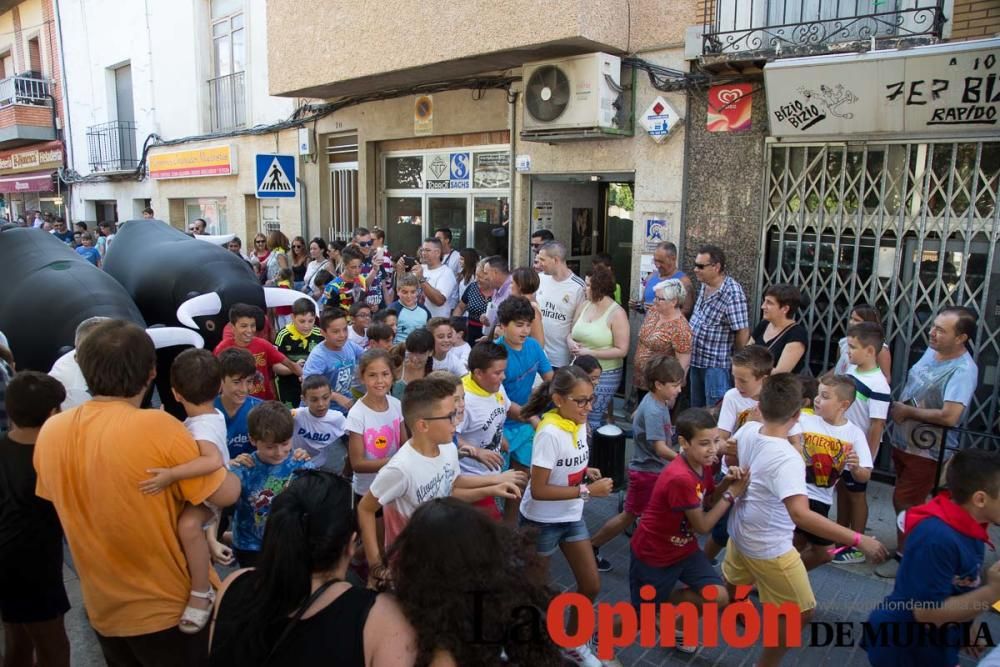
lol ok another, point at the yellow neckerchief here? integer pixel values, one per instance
(553, 417)
(808, 411)
(473, 388)
(294, 334)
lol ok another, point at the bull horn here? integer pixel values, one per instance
(218, 239)
(276, 297)
(198, 306)
(171, 336)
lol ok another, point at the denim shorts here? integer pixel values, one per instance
(551, 535)
(694, 571)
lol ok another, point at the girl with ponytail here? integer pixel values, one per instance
(561, 482)
(295, 607)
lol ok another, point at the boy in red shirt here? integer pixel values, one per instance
(665, 547)
(243, 317)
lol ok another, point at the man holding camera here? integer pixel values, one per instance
(438, 286)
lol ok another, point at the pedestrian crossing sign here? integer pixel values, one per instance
(275, 176)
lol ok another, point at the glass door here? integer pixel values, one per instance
(450, 212)
(491, 225)
(404, 224)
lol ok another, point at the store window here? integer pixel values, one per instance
(212, 210)
(466, 189)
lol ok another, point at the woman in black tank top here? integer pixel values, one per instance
(295, 608)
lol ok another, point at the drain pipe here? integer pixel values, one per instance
(303, 209)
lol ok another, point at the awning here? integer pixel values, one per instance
(33, 181)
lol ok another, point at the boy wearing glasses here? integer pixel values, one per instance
(424, 468)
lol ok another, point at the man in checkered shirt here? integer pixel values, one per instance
(719, 325)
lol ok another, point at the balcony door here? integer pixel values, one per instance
(227, 89)
(125, 111)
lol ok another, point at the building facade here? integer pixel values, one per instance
(31, 116)
(525, 117)
(868, 170)
(163, 97)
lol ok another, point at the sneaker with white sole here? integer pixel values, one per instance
(603, 564)
(849, 557)
(582, 655)
(683, 648)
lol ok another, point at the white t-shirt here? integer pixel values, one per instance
(824, 448)
(558, 301)
(555, 450)
(482, 426)
(409, 480)
(357, 339)
(380, 432)
(210, 428)
(68, 372)
(456, 361)
(452, 261)
(443, 280)
(871, 397)
(735, 410)
(759, 523)
(321, 438)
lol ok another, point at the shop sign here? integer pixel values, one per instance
(935, 90)
(23, 160)
(448, 171)
(492, 170)
(208, 161)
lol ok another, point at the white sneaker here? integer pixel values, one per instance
(680, 646)
(582, 655)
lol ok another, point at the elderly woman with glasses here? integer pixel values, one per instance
(665, 330)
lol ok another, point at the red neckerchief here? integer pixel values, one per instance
(953, 514)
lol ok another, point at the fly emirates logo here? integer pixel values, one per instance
(551, 311)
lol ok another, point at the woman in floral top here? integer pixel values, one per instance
(664, 331)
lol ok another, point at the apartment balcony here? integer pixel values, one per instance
(25, 111)
(749, 29)
(112, 146)
(227, 98)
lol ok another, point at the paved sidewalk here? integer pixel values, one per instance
(844, 593)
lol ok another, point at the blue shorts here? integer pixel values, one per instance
(520, 436)
(695, 571)
(551, 535)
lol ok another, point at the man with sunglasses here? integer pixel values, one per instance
(372, 267)
(720, 326)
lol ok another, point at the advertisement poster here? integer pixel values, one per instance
(730, 107)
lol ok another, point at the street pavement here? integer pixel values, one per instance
(844, 594)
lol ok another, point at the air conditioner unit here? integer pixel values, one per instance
(571, 94)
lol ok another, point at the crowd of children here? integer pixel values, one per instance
(398, 403)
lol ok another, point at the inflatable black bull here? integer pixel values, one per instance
(176, 279)
(49, 289)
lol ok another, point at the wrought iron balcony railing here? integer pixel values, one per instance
(742, 27)
(112, 146)
(25, 90)
(228, 102)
